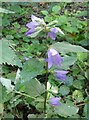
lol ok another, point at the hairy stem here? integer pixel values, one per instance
(46, 80)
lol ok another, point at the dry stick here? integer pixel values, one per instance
(46, 80)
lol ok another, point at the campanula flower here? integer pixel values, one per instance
(36, 22)
(61, 74)
(53, 32)
(55, 101)
(53, 58)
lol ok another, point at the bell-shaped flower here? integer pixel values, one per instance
(53, 58)
(36, 22)
(61, 74)
(53, 32)
(55, 101)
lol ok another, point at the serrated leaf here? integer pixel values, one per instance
(7, 83)
(7, 54)
(66, 110)
(67, 47)
(34, 88)
(31, 69)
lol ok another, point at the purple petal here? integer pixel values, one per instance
(57, 59)
(34, 18)
(26, 58)
(61, 74)
(54, 30)
(32, 24)
(53, 58)
(52, 35)
(30, 32)
(55, 101)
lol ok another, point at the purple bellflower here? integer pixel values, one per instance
(36, 22)
(55, 101)
(61, 74)
(53, 32)
(53, 58)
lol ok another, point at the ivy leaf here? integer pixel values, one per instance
(67, 47)
(7, 54)
(7, 83)
(66, 110)
(34, 88)
(31, 69)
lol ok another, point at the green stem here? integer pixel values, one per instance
(23, 94)
(46, 80)
(81, 104)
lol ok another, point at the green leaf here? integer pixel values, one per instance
(68, 61)
(44, 12)
(7, 83)
(2, 10)
(82, 56)
(83, 13)
(77, 95)
(66, 110)
(56, 8)
(1, 108)
(77, 84)
(34, 88)
(64, 90)
(7, 54)
(16, 25)
(31, 69)
(67, 47)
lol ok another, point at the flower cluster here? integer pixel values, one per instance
(38, 24)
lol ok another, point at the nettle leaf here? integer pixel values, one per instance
(31, 69)
(2, 10)
(34, 88)
(7, 83)
(66, 110)
(7, 54)
(67, 47)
